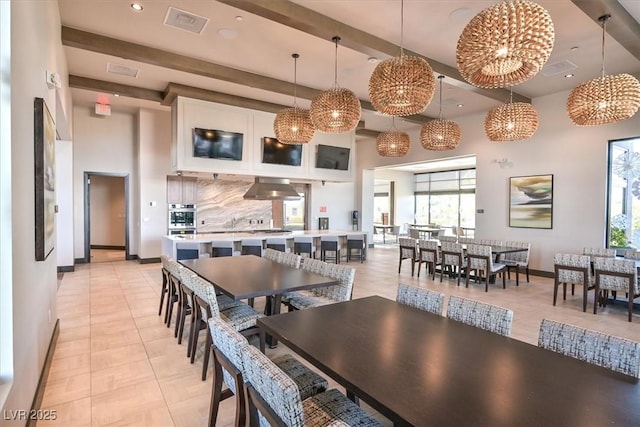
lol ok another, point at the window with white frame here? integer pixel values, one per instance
(623, 195)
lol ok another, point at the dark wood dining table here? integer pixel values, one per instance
(421, 369)
(250, 276)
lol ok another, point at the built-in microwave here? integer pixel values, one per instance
(182, 216)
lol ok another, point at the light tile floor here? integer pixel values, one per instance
(116, 363)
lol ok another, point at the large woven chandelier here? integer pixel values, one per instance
(511, 122)
(393, 143)
(505, 44)
(439, 134)
(605, 99)
(336, 110)
(403, 85)
(293, 125)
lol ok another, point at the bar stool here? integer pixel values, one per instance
(304, 245)
(277, 243)
(187, 250)
(221, 248)
(330, 244)
(356, 242)
(252, 247)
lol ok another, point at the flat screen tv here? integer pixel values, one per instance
(275, 152)
(217, 144)
(330, 157)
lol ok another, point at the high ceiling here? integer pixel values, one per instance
(244, 50)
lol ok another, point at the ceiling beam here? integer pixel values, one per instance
(622, 26)
(367, 133)
(110, 87)
(174, 90)
(110, 46)
(306, 20)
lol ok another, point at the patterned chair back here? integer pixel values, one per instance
(344, 289)
(452, 253)
(291, 259)
(617, 354)
(466, 240)
(489, 242)
(414, 233)
(174, 268)
(231, 344)
(485, 316)
(632, 254)
(275, 387)
(479, 257)
(407, 247)
(615, 274)
(600, 252)
(314, 265)
(578, 268)
(449, 239)
(206, 292)
(522, 258)
(428, 250)
(420, 298)
(272, 254)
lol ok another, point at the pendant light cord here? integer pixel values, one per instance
(401, 28)
(440, 77)
(336, 39)
(604, 20)
(295, 79)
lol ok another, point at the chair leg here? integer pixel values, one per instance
(164, 291)
(208, 348)
(195, 319)
(527, 273)
(194, 348)
(555, 290)
(216, 393)
(178, 315)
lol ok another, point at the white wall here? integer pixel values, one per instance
(35, 48)
(404, 203)
(106, 144)
(576, 156)
(154, 145)
(339, 200)
(64, 199)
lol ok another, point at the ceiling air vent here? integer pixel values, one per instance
(185, 20)
(123, 70)
(561, 67)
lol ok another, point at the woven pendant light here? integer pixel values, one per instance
(403, 85)
(605, 99)
(293, 125)
(336, 110)
(439, 134)
(505, 44)
(511, 122)
(393, 143)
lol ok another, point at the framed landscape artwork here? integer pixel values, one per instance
(531, 201)
(45, 195)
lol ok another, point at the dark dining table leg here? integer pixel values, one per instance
(273, 308)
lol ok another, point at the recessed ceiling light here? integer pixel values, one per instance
(136, 6)
(460, 105)
(239, 18)
(568, 76)
(372, 60)
(227, 33)
(116, 95)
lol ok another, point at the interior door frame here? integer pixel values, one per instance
(87, 213)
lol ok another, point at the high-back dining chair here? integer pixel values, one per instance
(166, 287)
(485, 316)
(480, 259)
(450, 239)
(228, 346)
(428, 254)
(616, 275)
(452, 259)
(408, 251)
(276, 397)
(272, 254)
(517, 260)
(304, 245)
(611, 352)
(252, 247)
(277, 243)
(573, 269)
(421, 298)
(356, 242)
(330, 244)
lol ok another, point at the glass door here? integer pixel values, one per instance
(294, 213)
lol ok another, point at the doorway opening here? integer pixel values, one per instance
(106, 217)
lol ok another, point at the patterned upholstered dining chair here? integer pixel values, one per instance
(453, 259)
(228, 346)
(408, 251)
(572, 269)
(517, 260)
(616, 275)
(326, 294)
(617, 354)
(421, 298)
(275, 396)
(428, 254)
(272, 254)
(480, 259)
(484, 316)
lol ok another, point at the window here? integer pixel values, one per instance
(446, 198)
(623, 195)
(381, 208)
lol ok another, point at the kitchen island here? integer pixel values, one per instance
(202, 241)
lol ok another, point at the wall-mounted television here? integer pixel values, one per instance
(217, 144)
(275, 152)
(330, 157)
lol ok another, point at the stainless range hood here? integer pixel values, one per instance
(271, 189)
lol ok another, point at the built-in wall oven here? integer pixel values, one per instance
(182, 219)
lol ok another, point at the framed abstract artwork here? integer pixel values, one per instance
(45, 191)
(531, 201)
